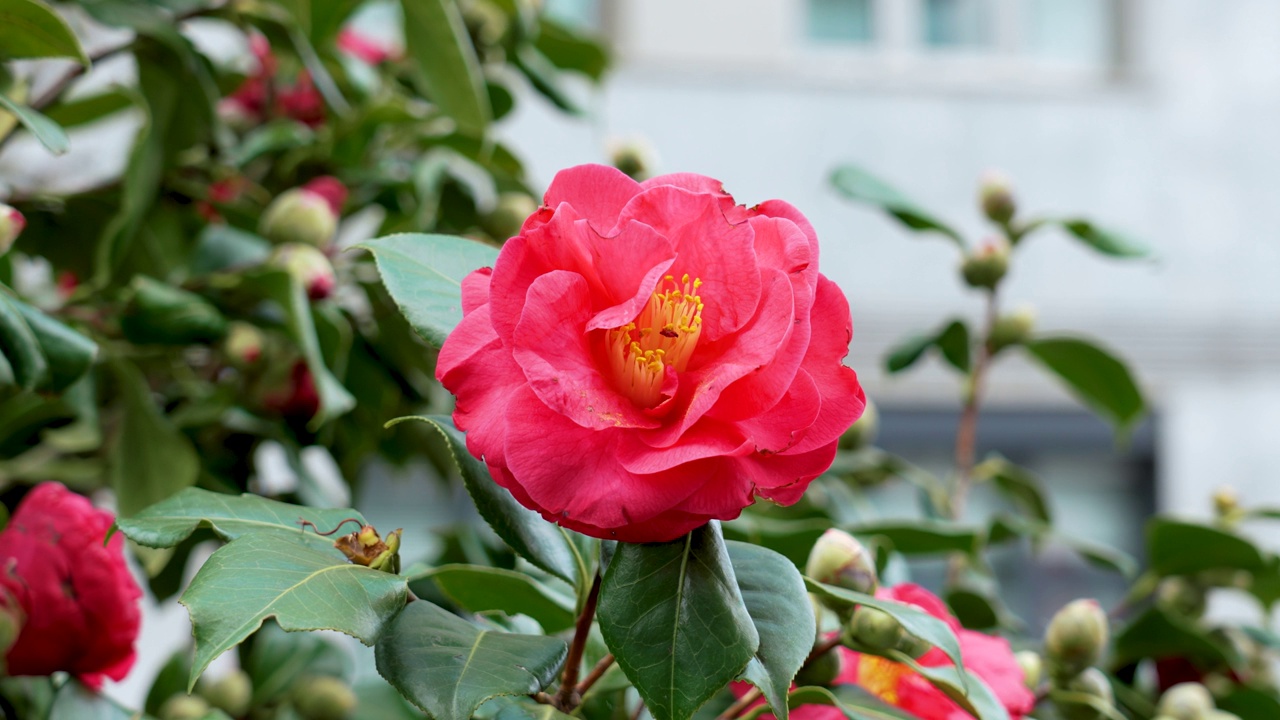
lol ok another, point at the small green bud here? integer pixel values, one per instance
(1012, 328)
(986, 266)
(232, 693)
(243, 344)
(838, 559)
(1032, 668)
(309, 266)
(632, 157)
(863, 432)
(1075, 638)
(995, 195)
(324, 698)
(875, 629)
(913, 646)
(823, 670)
(1091, 682)
(301, 216)
(1226, 505)
(1181, 596)
(11, 224)
(1186, 701)
(508, 216)
(184, 707)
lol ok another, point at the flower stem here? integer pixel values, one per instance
(569, 697)
(596, 673)
(967, 430)
(740, 705)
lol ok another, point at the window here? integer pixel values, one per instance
(958, 23)
(841, 20)
(1070, 31)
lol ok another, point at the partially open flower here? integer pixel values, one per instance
(11, 224)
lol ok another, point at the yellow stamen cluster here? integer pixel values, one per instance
(881, 677)
(664, 334)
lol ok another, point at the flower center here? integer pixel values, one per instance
(880, 677)
(664, 334)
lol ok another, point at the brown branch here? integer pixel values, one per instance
(568, 698)
(967, 431)
(596, 673)
(822, 648)
(742, 703)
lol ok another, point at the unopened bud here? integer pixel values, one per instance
(11, 224)
(875, 629)
(232, 693)
(509, 215)
(863, 432)
(324, 698)
(1186, 701)
(1226, 503)
(309, 266)
(305, 215)
(243, 344)
(1075, 638)
(1092, 683)
(159, 313)
(1221, 715)
(1012, 328)
(1032, 668)
(1181, 596)
(632, 157)
(823, 670)
(986, 266)
(995, 195)
(184, 707)
(838, 559)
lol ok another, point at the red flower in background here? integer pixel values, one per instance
(644, 358)
(299, 101)
(366, 48)
(79, 599)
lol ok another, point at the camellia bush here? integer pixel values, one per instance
(316, 249)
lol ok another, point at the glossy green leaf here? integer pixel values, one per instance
(1157, 634)
(1250, 703)
(168, 523)
(446, 69)
(482, 589)
(536, 540)
(778, 603)
(906, 353)
(275, 136)
(674, 618)
(1091, 703)
(974, 610)
(74, 701)
(31, 29)
(449, 667)
(791, 538)
(21, 348)
(915, 621)
(151, 459)
(80, 111)
(545, 78)
(67, 353)
(1105, 241)
(222, 247)
(1100, 379)
(854, 707)
(857, 184)
(922, 537)
(264, 575)
(567, 49)
(162, 314)
(424, 275)
(49, 133)
(1022, 488)
(278, 659)
(951, 342)
(522, 708)
(1184, 548)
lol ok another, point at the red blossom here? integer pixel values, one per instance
(366, 48)
(79, 599)
(643, 358)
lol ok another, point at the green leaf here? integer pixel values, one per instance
(1183, 548)
(30, 368)
(1022, 488)
(449, 667)
(159, 313)
(906, 353)
(545, 78)
(791, 538)
(275, 136)
(424, 275)
(1100, 708)
(674, 618)
(1156, 634)
(857, 184)
(1101, 380)
(922, 537)
(853, 707)
(951, 341)
(446, 69)
(536, 540)
(67, 353)
(278, 659)
(151, 459)
(973, 609)
(264, 575)
(48, 132)
(915, 621)
(569, 50)
(81, 111)
(168, 523)
(779, 606)
(1250, 703)
(221, 247)
(74, 701)
(31, 29)
(482, 589)
(1105, 241)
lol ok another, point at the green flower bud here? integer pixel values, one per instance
(159, 313)
(1226, 505)
(838, 559)
(1012, 328)
(823, 670)
(986, 267)
(875, 629)
(1181, 596)
(299, 215)
(309, 266)
(324, 698)
(508, 217)
(1032, 668)
(184, 707)
(1186, 701)
(632, 157)
(1093, 683)
(996, 198)
(11, 224)
(243, 344)
(232, 693)
(1075, 638)
(863, 432)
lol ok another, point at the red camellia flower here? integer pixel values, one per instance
(644, 358)
(79, 600)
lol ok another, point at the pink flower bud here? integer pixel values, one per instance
(309, 266)
(11, 224)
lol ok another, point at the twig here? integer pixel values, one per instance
(568, 698)
(596, 673)
(822, 648)
(740, 705)
(967, 431)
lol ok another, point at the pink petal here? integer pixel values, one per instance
(842, 398)
(597, 192)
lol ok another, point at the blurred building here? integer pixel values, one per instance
(1155, 117)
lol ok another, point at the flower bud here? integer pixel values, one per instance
(306, 215)
(863, 432)
(1186, 701)
(1181, 596)
(508, 217)
(309, 266)
(232, 693)
(323, 698)
(184, 707)
(838, 559)
(159, 313)
(996, 198)
(875, 629)
(1032, 668)
(1075, 638)
(823, 670)
(11, 224)
(632, 157)
(296, 397)
(1093, 683)
(1226, 503)
(1012, 328)
(986, 267)
(243, 344)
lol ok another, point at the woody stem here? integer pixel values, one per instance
(568, 697)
